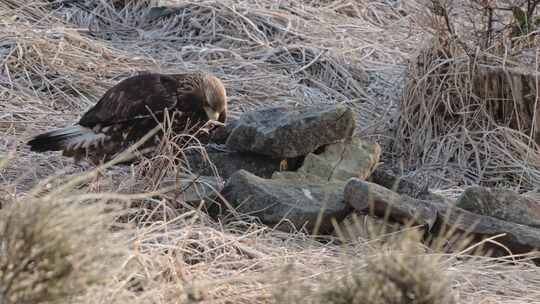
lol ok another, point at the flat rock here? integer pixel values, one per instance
(374, 199)
(517, 238)
(287, 204)
(343, 160)
(297, 176)
(369, 196)
(502, 204)
(281, 132)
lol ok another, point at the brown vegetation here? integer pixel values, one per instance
(58, 57)
(55, 248)
(470, 102)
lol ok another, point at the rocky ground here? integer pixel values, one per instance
(335, 178)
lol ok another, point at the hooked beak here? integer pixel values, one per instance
(212, 115)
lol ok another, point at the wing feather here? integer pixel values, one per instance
(133, 98)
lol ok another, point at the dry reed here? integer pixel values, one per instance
(470, 103)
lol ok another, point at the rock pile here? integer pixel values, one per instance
(301, 168)
(289, 167)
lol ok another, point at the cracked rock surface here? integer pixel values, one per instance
(298, 199)
(281, 132)
(287, 205)
(502, 204)
(340, 161)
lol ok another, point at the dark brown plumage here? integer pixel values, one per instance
(132, 108)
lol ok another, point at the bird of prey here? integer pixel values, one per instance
(132, 108)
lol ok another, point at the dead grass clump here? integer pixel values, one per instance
(335, 76)
(57, 63)
(33, 11)
(460, 106)
(198, 23)
(53, 251)
(401, 273)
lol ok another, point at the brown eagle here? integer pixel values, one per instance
(132, 108)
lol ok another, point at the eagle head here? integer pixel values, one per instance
(215, 98)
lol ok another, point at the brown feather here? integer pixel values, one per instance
(134, 106)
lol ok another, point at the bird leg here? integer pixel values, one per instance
(210, 125)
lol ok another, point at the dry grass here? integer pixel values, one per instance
(58, 245)
(53, 250)
(470, 104)
(58, 60)
(399, 273)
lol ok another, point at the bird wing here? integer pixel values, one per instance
(133, 98)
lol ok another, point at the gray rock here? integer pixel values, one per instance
(340, 161)
(287, 133)
(502, 204)
(185, 188)
(287, 204)
(225, 163)
(377, 200)
(297, 176)
(194, 188)
(363, 227)
(402, 185)
(517, 238)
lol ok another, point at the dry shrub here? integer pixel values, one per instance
(336, 76)
(54, 250)
(472, 112)
(393, 278)
(65, 242)
(401, 272)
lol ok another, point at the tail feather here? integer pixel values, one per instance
(72, 137)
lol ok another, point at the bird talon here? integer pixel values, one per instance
(205, 130)
(283, 165)
(216, 123)
(212, 124)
